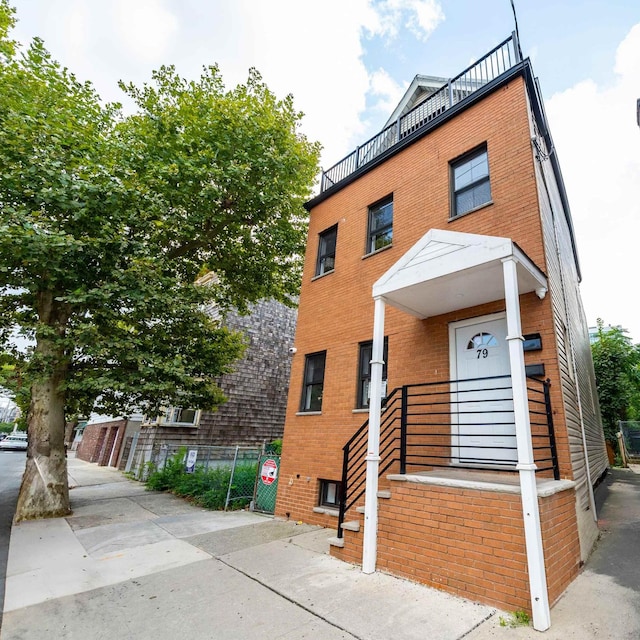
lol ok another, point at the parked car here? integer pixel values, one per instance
(14, 442)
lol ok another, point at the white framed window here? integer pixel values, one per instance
(181, 416)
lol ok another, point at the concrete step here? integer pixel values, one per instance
(352, 525)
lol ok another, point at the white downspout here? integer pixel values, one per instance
(526, 465)
(370, 542)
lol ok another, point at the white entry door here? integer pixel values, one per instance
(483, 427)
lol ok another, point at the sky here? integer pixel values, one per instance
(348, 62)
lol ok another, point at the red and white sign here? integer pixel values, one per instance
(269, 471)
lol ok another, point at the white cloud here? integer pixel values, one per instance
(313, 50)
(146, 28)
(421, 17)
(598, 142)
(387, 90)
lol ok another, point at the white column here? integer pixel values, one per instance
(370, 543)
(526, 466)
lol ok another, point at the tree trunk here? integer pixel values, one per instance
(44, 492)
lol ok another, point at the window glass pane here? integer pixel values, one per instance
(382, 217)
(332, 492)
(187, 415)
(327, 264)
(313, 399)
(464, 202)
(315, 369)
(381, 240)
(365, 359)
(482, 340)
(481, 193)
(470, 171)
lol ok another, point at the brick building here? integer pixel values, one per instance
(102, 439)
(440, 303)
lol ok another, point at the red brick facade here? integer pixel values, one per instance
(102, 442)
(469, 542)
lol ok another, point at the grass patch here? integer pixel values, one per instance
(515, 619)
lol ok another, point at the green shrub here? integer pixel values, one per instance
(165, 479)
(205, 487)
(274, 447)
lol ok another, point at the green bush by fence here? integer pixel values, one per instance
(205, 487)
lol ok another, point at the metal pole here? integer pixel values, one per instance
(526, 465)
(370, 541)
(233, 469)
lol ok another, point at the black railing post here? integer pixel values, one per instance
(552, 435)
(404, 412)
(343, 488)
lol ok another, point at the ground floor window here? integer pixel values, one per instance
(364, 373)
(313, 382)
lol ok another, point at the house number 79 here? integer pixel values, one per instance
(482, 353)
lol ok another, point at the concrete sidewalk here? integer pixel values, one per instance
(135, 564)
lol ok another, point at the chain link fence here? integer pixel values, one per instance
(226, 474)
(630, 430)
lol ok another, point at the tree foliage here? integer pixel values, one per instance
(107, 221)
(617, 366)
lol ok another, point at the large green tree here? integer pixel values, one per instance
(107, 221)
(617, 366)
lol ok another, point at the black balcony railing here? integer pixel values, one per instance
(490, 67)
(461, 424)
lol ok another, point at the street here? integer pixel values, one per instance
(11, 470)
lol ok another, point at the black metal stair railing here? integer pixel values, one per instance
(354, 453)
(461, 424)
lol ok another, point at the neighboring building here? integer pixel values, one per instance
(256, 392)
(441, 280)
(9, 411)
(102, 439)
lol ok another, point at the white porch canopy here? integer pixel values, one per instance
(446, 270)
(443, 272)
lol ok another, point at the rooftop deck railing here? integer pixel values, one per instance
(498, 61)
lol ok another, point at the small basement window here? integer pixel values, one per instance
(330, 493)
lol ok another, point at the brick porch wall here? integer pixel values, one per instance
(469, 542)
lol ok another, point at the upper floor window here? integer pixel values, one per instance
(181, 415)
(364, 372)
(380, 233)
(470, 182)
(327, 251)
(313, 382)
